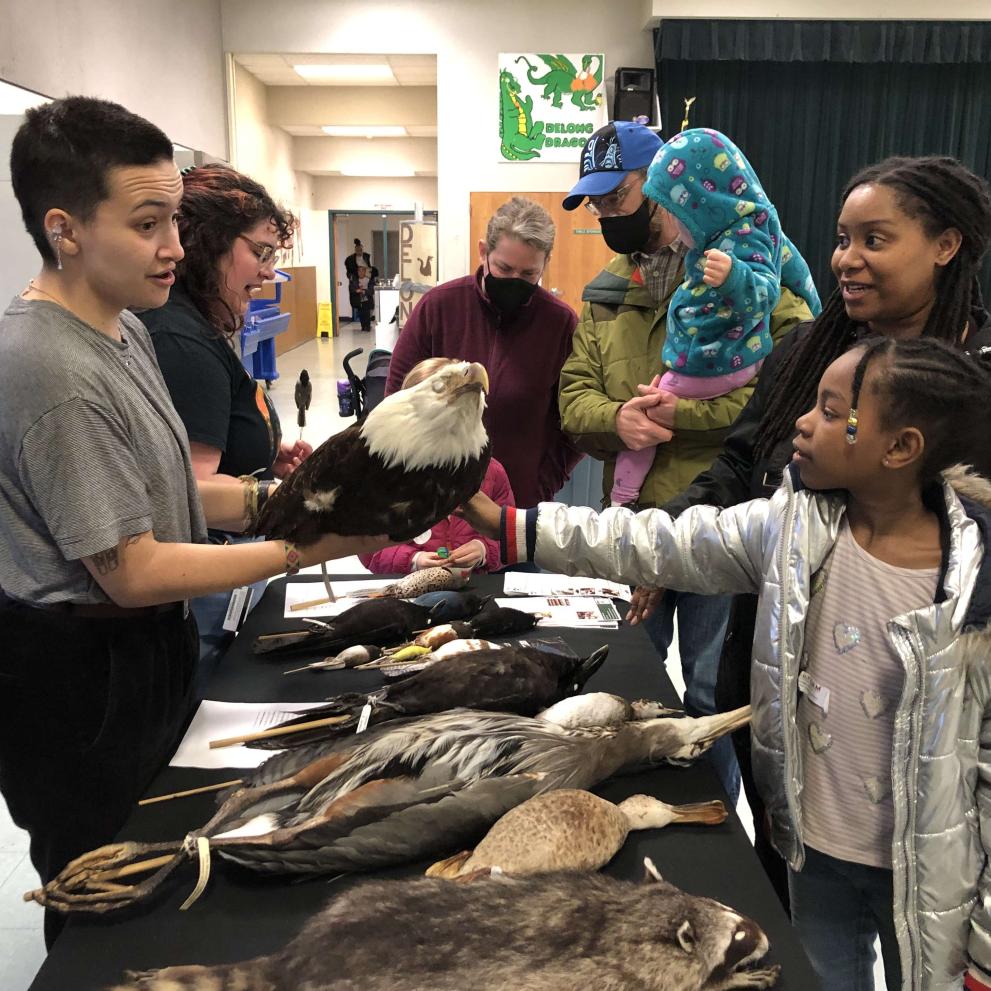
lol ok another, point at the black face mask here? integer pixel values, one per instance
(631, 232)
(508, 295)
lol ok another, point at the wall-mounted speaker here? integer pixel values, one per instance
(634, 95)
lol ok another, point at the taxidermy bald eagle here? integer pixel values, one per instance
(408, 464)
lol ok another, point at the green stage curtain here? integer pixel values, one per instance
(808, 123)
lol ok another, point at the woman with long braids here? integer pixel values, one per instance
(911, 236)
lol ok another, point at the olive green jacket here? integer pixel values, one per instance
(616, 347)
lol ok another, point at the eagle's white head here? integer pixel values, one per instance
(436, 423)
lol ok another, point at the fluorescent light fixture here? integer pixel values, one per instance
(342, 72)
(364, 130)
(379, 171)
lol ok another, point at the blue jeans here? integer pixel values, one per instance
(839, 908)
(701, 628)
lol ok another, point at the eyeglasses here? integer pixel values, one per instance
(264, 252)
(602, 206)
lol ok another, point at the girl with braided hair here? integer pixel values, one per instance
(911, 236)
(871, 687)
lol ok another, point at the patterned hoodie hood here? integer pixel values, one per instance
(704, 180)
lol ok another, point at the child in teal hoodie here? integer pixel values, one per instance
(718, 332)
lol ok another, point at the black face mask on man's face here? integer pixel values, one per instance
(508, 294)
(630, 232)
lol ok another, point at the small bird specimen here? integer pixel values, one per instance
(507, 679)
(400, 791)
(409, 463)
(418, 583)
(568, 830)
(375, 621)
(303, 394)
(554, 932)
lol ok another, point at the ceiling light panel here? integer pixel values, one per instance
(345, 73)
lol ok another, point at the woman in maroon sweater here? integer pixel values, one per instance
(501, 318)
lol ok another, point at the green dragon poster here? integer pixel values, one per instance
(549, 105)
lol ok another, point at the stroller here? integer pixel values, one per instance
(359, 396)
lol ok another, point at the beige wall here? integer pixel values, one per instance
(163, 62)
(353, 193)
(266, 154)
(388, 154)
(466, 37)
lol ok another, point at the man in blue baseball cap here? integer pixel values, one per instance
(616, 347)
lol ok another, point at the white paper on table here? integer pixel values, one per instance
(304, 591)
(217, 720)
(583, 611)
(524, 583)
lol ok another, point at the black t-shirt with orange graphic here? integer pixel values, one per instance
(220, 404)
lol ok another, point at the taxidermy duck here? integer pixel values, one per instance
(557, 932)
(506, 679)
(410, 462)
(568, 830)
(401, 791)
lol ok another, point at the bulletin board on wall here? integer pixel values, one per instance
(579, 252)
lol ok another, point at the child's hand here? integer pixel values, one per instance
(717, 267)
(482, 515)
(469, 555)
(427, 559)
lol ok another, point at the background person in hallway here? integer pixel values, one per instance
(232, 234)
(503, 319)
(617, 347)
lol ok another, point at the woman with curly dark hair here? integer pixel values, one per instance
(233, 235)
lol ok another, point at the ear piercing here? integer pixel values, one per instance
(56, 238)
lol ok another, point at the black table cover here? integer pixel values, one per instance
(242, 915)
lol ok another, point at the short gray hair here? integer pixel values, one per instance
(523, 219)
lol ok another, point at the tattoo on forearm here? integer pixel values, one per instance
(106, 561)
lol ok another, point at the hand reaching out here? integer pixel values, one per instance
(469, 555)
(483, 514)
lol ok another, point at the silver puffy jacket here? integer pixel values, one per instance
(941, 762)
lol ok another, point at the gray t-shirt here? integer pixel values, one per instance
(91, 451)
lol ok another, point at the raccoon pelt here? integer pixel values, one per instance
(555, 932)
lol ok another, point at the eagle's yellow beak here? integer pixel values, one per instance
(477, 373)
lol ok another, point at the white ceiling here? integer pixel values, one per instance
(314, 131)
(277, 70)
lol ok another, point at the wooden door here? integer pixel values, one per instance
(579, 251)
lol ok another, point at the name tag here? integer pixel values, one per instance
(237, 608)
(817, 694)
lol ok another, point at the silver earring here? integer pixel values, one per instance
(56, 236)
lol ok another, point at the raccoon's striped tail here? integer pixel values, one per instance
(249, 975)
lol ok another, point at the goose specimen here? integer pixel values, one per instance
(568, 830)
(556, 932)
(506, 679)
(404, 790)
(409, 463)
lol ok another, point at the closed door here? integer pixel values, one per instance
(579, 251)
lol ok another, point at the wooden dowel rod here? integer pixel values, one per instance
(189, 791)
(322, 601)
(277, 731)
